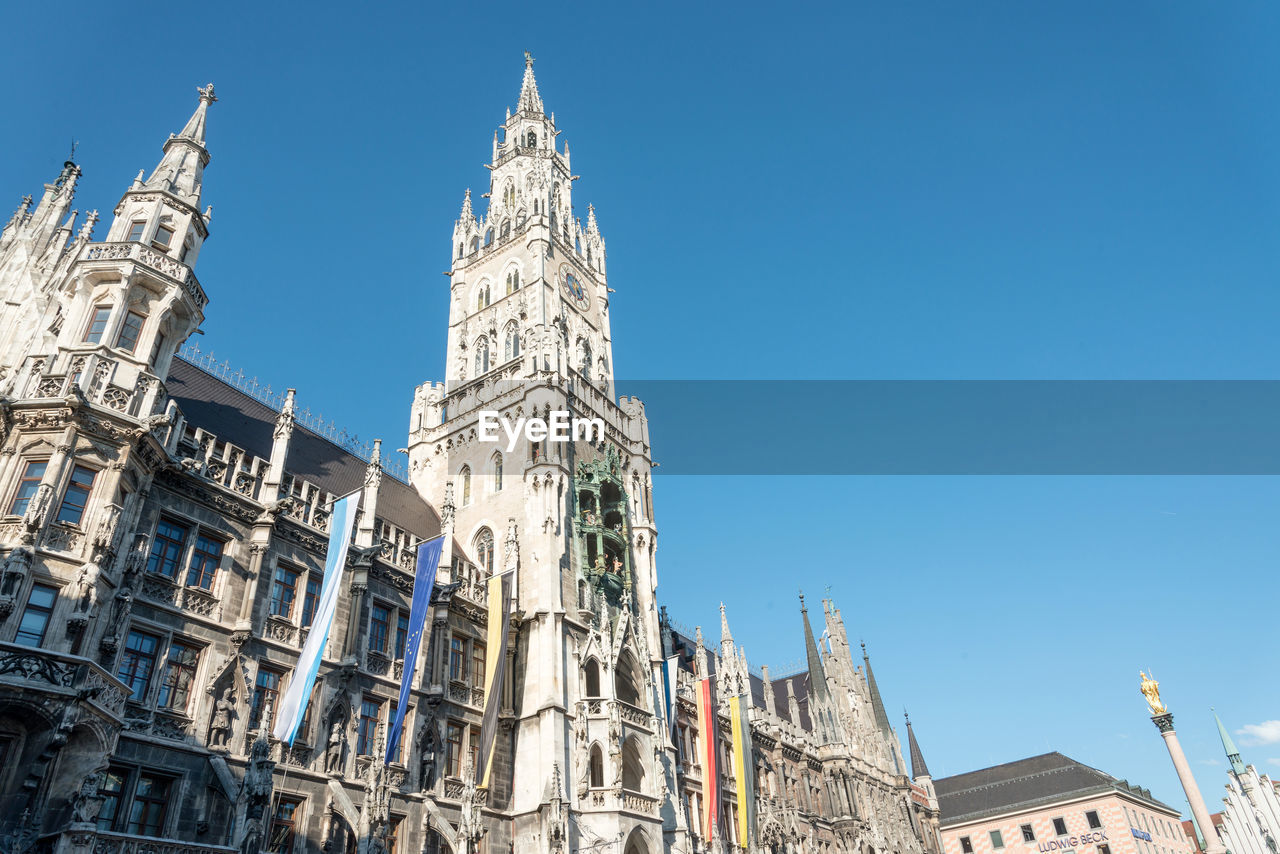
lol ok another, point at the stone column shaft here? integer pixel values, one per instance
(1165, 724)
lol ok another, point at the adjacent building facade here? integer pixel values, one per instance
(1250, 819)
(1052, 803)
(163, 535)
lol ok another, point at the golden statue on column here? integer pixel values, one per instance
(1151, 690)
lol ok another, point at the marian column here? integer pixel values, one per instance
(1163, 719)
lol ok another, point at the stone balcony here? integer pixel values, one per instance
(86, 839)
(61, 677)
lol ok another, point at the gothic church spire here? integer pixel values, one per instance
(817, 676)
(918, 768)
(530, 101)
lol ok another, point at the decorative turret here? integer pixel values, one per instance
(817, 676)
(919, 770)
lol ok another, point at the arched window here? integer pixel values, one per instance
(465, 477)
(484, 550)
(626, 681)
(509, 195)
(475, 244)
(589, 264)
(488, 237)
(497, 472)
(513, 281)
(632, 765)
(506, 228)
(511, 348)
(460, 248)
(591, 675)
(597, 767)
(532, 139)
(483, 296)
(482, 355)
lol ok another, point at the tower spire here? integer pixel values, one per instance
(181, 170)
(918, 768)
(1229, 747)
(877, 704)
(817, 676)
(530, 101)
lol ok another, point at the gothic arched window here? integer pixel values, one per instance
(597, 767)
(509, 195)
(482, 355)
(488, 237)
(465, 477)
(460, 249)
(591, 671)
(511, 349)
(483, 297)
(506, 229)
(497, 472)
(532, 139)
(513, 281)
(484, 550)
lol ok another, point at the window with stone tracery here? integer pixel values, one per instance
(484, 550)
(482, 355)
(483, 297)
(513, 281)
(511, 348)
(465, 477)
(497, 472)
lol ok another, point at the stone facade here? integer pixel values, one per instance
(164, 529)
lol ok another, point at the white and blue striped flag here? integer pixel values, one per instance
(293, 705)
(423, 581)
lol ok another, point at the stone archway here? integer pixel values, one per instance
(636, 842)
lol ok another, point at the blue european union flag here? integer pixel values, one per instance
(424, 580)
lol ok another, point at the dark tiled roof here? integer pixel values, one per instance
(235, 417)
(1027, 783)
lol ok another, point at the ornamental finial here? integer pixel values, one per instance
(206, 93)
(528, 59)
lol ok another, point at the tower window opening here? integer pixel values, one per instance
(130, 332)
(461, 247)
(513, 281)
(482, 356)
(97, 324)
(506, 229)
(488, 237)
(597, 767)
(136, 228)
(465, 475)
(497, 472)
(484, 550)
(591, 676)
(163, 238)
(511, 349)
(532, 139)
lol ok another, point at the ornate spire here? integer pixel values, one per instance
(467, 215)
(1229, 747)
(882, 720)
(593, 228)
(726, 638)
(918, 768)
(530, 101)
(817, 676)
(181, 170)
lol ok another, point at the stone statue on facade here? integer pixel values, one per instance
(333, 753)
(1151, 690)
(84, 590)
(220, 727)
(427, 754)
(256, 795)
(86, 802)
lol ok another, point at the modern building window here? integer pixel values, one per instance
(136, 228)
(966, 845)
(97, 324)
(367, 728)
(1028, 833)
(134, 801)
(167, 546)
(284, 591)
(453, 749)
(1094, 821)
(484, 551)
(477, 664)
(179, 675)
(997, 840)
(76, 497)
(402, 633)
(205, 558)
(28, 485)
(1060, 827)
(457, 659)
(284, 824)
(130, 332)
(138, 663)
(164, 237)
(266, 690)
(311, 599)
(35, 617)
(150, 803)
(379, 626)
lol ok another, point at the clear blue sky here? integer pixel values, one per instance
(887, 191)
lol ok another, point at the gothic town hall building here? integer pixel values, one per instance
(163, 530)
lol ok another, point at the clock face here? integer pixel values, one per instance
(573, 288)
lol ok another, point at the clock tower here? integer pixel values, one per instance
(529, 337)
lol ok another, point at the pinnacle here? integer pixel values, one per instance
(530, 101)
